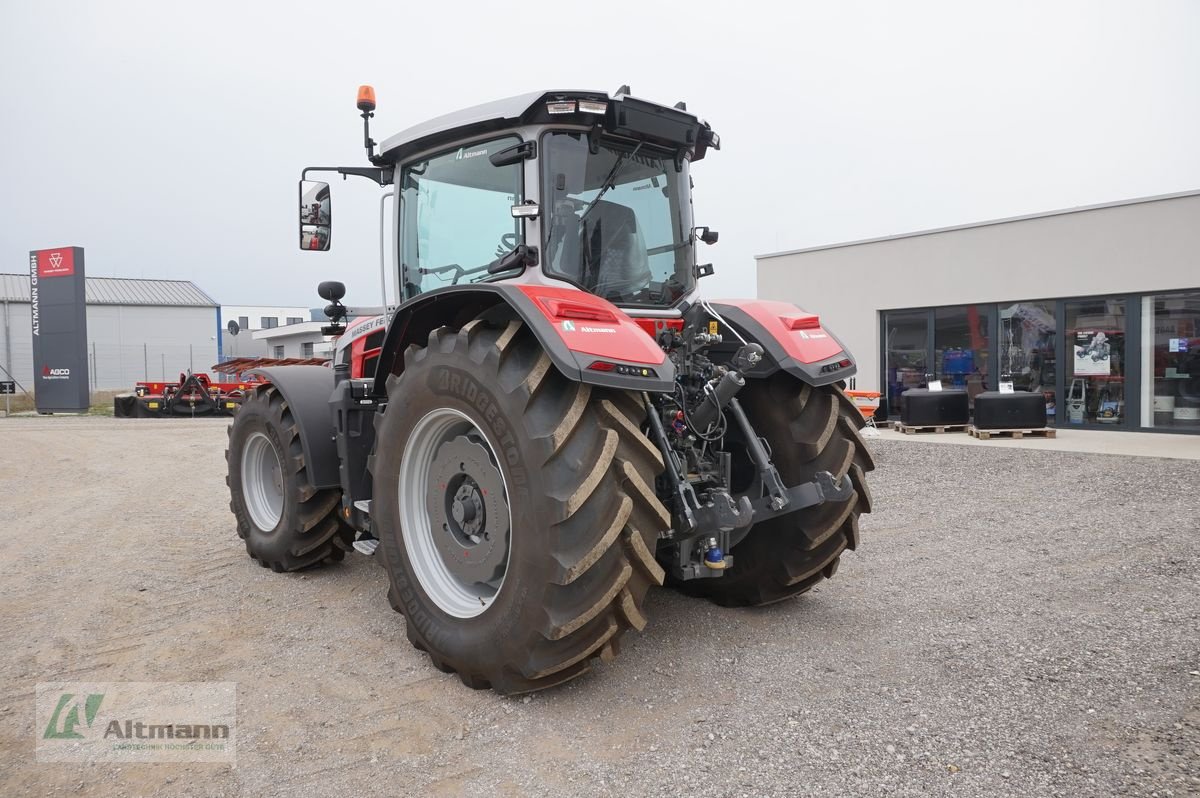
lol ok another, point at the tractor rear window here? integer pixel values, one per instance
(618, 220)
(457, 216)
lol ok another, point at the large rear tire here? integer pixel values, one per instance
(556, 570)
(809, 430)
(287, 524)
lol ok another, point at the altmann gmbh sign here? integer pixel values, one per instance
(58, 309)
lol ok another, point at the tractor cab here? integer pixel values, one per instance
(572, 188)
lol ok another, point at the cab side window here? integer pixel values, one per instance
(456, 216)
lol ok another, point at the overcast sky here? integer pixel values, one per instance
(166, 138)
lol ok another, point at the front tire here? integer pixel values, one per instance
(809, 430)
(557, 569)
(287, 524)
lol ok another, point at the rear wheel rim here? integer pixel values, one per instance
(454, 513)
(262, 482)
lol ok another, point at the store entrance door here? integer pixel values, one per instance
(1095, 387)
(906, 354)
(1028, 356)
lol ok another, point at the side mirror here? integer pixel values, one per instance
(315, 218)
(331, 290)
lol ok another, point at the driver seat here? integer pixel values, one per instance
(616, 263)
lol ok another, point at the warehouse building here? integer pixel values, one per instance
(295, 340)
(264, 317)
(137, 330)
(242, 323)
(1098, 308)
(306, 339)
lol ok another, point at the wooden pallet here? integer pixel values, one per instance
(984, 434)
(913, 430)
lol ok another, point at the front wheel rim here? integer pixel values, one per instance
(454, 515)
(262, 482)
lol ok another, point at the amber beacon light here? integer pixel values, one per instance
(366, 98)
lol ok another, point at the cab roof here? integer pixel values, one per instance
(506, 113)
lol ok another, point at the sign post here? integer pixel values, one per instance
(58, 311)
(8, 388)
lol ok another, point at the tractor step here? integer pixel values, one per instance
(366, 546)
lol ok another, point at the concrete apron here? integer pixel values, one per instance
(1129, 444)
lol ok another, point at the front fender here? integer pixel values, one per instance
(794, 340)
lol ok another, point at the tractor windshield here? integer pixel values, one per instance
(618, 220)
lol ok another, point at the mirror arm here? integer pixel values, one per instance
(368, 142)
(520, 257)
(382, 175)
(514, 154)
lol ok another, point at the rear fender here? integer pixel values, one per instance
(307, 391)
(587, 338)
(794, 340)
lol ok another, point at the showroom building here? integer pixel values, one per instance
(1098, 308)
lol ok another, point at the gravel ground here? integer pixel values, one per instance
(1014, 623)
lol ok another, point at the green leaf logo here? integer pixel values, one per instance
(62, 726)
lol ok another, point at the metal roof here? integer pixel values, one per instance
(119, 291)
(989, 223)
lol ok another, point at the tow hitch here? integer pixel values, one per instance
(824, 488)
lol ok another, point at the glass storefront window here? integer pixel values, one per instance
(960, 348)
(1171, 361)
(1130, 361)
(905, 341)
(1027, 350)
(1095, 368)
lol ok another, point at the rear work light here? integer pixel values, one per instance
(618, 368)
(592, 107)
(808, 322)
(561, 107)
(565, 309)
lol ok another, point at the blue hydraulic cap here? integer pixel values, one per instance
(714, 558)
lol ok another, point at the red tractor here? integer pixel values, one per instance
(552, 420)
